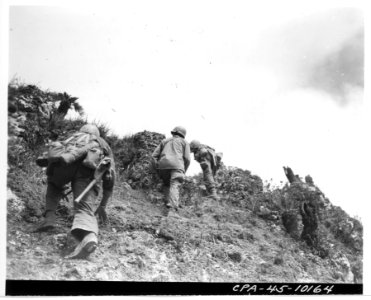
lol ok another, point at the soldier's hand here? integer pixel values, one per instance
(106, 161)
(108, 175)
(102, 215)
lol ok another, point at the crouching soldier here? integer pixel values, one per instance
(210, 162)
(79, 167)
(172, 159)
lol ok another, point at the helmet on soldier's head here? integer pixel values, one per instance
(91, 129)
(179, 130)
(194, 145)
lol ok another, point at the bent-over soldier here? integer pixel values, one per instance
(209, 162)
(80, 174)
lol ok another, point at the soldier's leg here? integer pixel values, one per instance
(85, 225)
(84, 219)
(177, 177)
(58, 177)
(53, 196)
(165, 175)
(209, 180)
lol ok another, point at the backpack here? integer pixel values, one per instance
(77, 146)
(93, 157)
(216, 158)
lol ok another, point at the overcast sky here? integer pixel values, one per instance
(268, 84)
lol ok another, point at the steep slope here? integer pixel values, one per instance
(204, 242)
(239, 238)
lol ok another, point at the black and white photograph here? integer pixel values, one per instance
(184, 148)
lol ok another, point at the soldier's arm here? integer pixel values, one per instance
(108, 179)
(203, 152)
(156, 154)
(108, 184)
(187, 157)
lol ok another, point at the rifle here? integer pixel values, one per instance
(103, 166)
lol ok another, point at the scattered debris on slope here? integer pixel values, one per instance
(242, 237)
(212, 242)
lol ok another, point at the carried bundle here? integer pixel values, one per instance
(79, 145)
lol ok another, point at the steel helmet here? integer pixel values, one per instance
(179, 130)
(194, 144)
(90, 128)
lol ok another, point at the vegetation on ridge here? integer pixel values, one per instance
(241, 238)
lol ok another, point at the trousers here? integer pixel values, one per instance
(172, 180)
(208, 176)
(84, 220)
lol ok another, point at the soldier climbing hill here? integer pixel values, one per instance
(172, 159)
(210, 162)
(83, 159)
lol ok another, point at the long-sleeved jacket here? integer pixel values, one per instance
(108, 181)
(173, 153)
(205, 153)
(62, 173)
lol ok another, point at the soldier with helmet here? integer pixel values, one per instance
(172, 159)
(209, 162)
(72, 168)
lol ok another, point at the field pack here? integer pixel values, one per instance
(216, 158)
(75, 147)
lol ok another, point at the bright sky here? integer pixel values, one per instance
(268, 84)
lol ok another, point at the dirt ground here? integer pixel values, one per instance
(207, 242)
(231, 240)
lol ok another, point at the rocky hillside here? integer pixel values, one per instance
(244, 237)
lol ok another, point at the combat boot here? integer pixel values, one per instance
(85, 247)
(48, 223)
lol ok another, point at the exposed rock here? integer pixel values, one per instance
(15, 205)
(268, 214)
(60, 240)
(342, 264)
(235, 256)
(291, 223)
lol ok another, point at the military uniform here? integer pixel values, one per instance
(85, 225)
(206, 157)
(172, 159)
